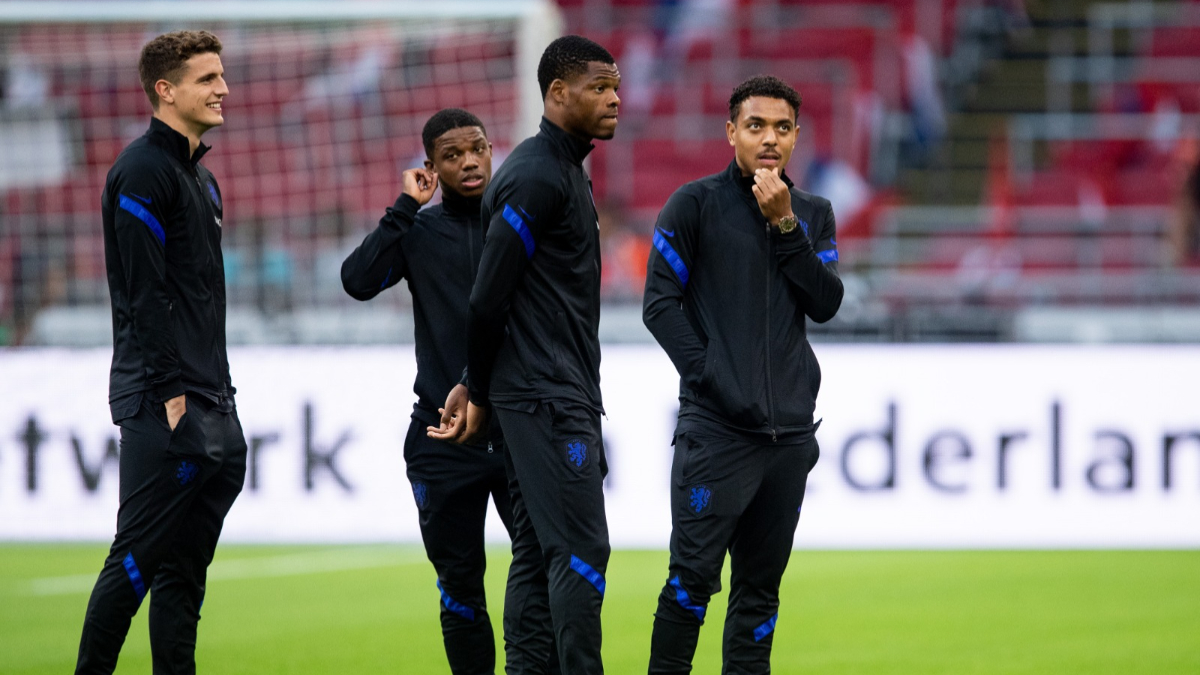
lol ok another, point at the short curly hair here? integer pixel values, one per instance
(567, 57)
(164, 57)
(767, 86)
(445, 120)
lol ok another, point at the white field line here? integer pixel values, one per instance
(295, 564)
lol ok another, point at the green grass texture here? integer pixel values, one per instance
(312, 610)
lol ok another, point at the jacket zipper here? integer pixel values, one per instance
(212, 257)
(471, 266)
(767, 343)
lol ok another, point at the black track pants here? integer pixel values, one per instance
(737, 496)
(176, 487)
(451, 485)
(560, 549)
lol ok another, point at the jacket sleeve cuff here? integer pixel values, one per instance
(792, 242)
(169, 389)
(403, 212)
(475, 393)
(407, 206)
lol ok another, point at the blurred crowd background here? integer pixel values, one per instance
(1000, 170)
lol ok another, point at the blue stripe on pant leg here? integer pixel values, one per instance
(766, 629)
(585, 570)
(685, 600)
(456, 606)
(135, 576)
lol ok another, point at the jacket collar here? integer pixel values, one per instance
(458, 205)
(175, 143)
(572, 147)
(734, 174)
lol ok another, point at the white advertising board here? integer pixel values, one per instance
(921, 446)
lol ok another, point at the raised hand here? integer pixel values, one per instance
(774, 198)
(420, 184)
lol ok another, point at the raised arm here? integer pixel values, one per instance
(809, 260)
(378, 262)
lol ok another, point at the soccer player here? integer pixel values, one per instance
(183, 454)
(533, 357)
(740, 259)
(438, 250)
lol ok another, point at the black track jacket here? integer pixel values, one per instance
(166, 277)
(437, 250)
(539, 278)
(726, 297)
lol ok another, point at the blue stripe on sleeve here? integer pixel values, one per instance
(685, 600)
(456, 606)
(828, 256)
(766, 629)
(135, 576)
(585, 570)
(518, 224)
(669, 254)
(146, 217)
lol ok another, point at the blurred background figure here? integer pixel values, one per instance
(989, 160)
(1185, 217)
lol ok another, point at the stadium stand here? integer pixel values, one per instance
(984, 157)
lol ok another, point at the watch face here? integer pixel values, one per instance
(787, 225)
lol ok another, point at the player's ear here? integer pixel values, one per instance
(729, 129)
(429, 165)
(165, 91)
(558, 91)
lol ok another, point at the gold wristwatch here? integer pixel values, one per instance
(787, 224)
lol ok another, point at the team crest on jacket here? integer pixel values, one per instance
(420, 494)
(576, 452)
(212, 192)
(186, 473)
(701, 497)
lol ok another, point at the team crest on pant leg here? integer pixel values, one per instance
(186, 472)
(420, 494)
(576, 452)
(701, 497)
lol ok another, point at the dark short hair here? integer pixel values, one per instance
(767, 86)
(163, 58)
(444, 120)
(567, 57)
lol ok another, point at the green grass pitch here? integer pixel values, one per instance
(314, 610)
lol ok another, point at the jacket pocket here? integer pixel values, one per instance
(724, 391)
(558, 363)
(706, 374)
